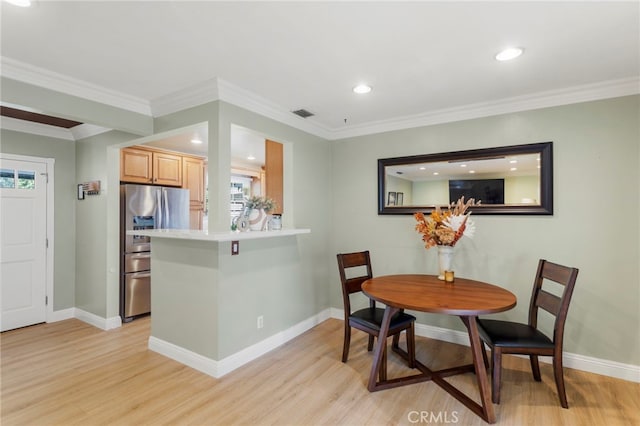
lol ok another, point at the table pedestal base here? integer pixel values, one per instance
(484, 410)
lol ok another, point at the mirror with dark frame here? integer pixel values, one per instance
(506, 180)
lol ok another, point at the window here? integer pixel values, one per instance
(25, 179)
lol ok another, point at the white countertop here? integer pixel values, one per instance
(189, 234)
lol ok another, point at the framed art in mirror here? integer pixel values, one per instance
(514, 179)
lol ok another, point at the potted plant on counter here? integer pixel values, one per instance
(258, 209)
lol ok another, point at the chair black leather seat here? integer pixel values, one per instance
(510, 334)
(505, 337)
(372, 318)
(369, 319)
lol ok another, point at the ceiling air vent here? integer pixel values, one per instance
(303, 113)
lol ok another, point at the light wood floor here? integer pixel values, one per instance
(70, 373)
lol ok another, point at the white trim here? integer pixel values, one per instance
(26, 73)
(605, 367)
(218, 89)
(86, 130)
(246, 355)
(61, 315)
(184, 356)
(218, 369)
(248, 100)
(33, 128)
(50, 235)
(50, 223)
(551, 98)
(193, 96)
(97, 321)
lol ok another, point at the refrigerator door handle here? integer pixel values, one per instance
(167, 219)
(159, 217)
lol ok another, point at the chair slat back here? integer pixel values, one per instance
(353, 284)
(557, 306)
(549, 302)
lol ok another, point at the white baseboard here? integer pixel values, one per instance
(97, 321)
(218, 369)
(605, 367)
(61, 315)
(184, 356)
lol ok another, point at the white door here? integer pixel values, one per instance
(23, 226)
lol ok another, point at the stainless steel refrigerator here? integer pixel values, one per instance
(144, 207)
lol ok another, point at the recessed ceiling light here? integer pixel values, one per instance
(513, 161)
(423, 168)
(196, 141)
(463, 165)
(509, 53)
(436, 173)
(513, 169)
(251, 157)
(362, 89)
(21, 3)
(472, 171)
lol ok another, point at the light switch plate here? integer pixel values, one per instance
(235, 247)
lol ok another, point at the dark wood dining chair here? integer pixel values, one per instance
(505, 337)
(369, 319)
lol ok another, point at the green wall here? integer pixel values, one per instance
(64, 153)
(86, 265)
(331, 188)
(307, 204)
(97, 238)
(595, 225)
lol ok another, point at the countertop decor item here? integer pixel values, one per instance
(258, 208)
(444, 228)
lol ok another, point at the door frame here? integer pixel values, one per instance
(49, 163)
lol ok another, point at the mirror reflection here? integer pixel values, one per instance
(513, 179)
(507, 180)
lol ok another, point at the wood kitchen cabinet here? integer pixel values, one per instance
(152, 166)
(193, 169)
(142, 165)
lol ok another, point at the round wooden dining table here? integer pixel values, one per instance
(464, 298)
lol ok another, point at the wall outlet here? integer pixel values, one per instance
(260, 322)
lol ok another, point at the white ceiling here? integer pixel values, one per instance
(422, 58)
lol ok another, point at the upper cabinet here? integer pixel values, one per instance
(142, 165)
(193, 179)
(193, 171)
(152, 166)
(167, 169)
(273, 173)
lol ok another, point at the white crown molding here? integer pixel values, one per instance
(190, 97)
(87, 130)
(41, 77)
(218, 89)
(40, 129)
(245, 99)
(551, 98)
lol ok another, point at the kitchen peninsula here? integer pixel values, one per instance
(215, 311)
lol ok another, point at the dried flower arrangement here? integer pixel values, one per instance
(446, 227)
